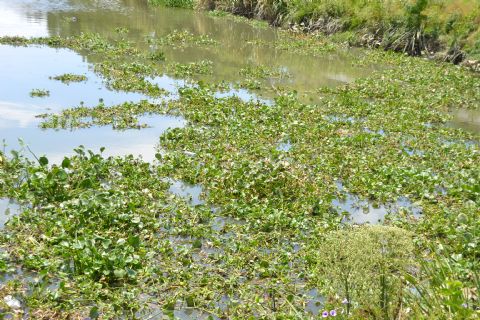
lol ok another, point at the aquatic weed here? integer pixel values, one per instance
(67, 78)
(41, 93)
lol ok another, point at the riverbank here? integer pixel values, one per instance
(447, 30)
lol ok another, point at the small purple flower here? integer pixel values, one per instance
(345, 301)
(465, 305)
(324, 314)
(333, 313)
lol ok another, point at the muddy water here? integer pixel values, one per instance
(25, 69)
(466, 119)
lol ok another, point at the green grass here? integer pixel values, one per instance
(413, 26)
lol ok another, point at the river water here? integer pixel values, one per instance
(239, 45)
(28, 68)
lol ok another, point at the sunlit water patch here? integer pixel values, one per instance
(8, 209)
(284, 146)
(466, 119)
(181, 313)
(18, 110)
(380, 132)
(57, 144)
(359, 211)
(315, 302)
(220, 223)
(39, 18)
(191, 193)
(244, 95)
(28, 68)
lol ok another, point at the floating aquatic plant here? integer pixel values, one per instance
(114, 236)
(70, 77)
(190, 69)
(41, 93)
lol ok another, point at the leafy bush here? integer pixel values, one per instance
(365, 266)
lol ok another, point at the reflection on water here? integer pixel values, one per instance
(236, 47)
(28, 68)
(57, 144)
(360, 211)
(8, 208)
(16, 21)
(191, 193)
(18, 110)
(466, 119)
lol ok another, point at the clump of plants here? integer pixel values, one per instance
(263, 72)
(365, 268)
(68, 78)
(203, 67)
(183, 38)
(40, 93)
(120, 117)
(188, 4)
(157, 56)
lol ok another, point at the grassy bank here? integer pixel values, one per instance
(448, 28)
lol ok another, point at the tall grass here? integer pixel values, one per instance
(440, 293)
(412, 26)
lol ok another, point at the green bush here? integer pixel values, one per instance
(365, 266)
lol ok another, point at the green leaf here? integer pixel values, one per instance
(43, 161)
(134, 241)
(66, 163)
(94, 313)
(119, 273)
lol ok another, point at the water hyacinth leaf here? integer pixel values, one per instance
(110, 228)
(43, 161)
(134, 241)
(119, 273)
(94, 313)
(66, 163)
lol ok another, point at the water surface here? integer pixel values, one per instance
(466, 119)
(28, 68)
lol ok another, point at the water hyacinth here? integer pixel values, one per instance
(120, 234)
